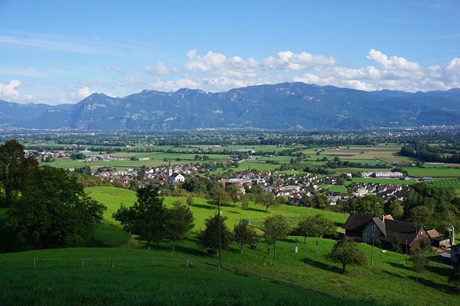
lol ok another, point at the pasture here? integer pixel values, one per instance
(203, 208)
(137, 276)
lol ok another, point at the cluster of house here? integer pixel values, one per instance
(384, 191)
(410, 236)
(151, 176)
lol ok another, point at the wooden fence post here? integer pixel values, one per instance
(35, 265)
(112, 262)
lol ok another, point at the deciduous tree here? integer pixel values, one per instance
(244, 234)
(347, 252)
(179, 223)
(235, 193)
(275, 227)
(316, 226)
(419, 262)
(53, 211)
(209, 238)
(15, 166)
(320, 201)
(146, 217)
(268, 200)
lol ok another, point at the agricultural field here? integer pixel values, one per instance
(448, 182)
(438, 172)
(384, 153)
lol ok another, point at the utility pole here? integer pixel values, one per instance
(372, 254)
(220, 230)
(274, 248)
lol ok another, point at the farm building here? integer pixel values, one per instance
(365, 228)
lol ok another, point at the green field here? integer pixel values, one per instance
(116, 276)
(446, 172)
(87, 277)
(132, 275)
(203, 209)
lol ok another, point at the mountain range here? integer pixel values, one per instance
(285, 106)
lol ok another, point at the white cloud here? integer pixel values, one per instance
(78, 94)
(216, 72)
(9, 92)
(161, 69)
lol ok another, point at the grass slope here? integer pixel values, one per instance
(86, 276)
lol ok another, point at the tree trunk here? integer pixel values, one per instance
(173, 245)
(304, 239)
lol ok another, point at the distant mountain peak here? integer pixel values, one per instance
(289, 105)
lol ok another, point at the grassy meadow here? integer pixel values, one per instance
(115, 268)
(120, 270)
(203, 208)
(385, 282)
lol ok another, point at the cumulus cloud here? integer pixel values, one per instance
(215, 72)
(9, 92)
(78, 94)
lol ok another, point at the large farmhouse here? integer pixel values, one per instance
(368, 228)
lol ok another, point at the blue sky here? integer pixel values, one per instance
(62, 51)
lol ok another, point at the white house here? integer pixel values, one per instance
(176, 177)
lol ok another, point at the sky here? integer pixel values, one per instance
(56, 51)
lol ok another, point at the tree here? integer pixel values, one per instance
(190, 201)
(320, 201)
(15, 166)
(395, 243)
(316, 226)
(53, 211)
(268, 200)
(275, 227)
(218, 194)
(146, 217)
(245, 202)
(438, 200)
(370, 204)
(235, 193)
(209, 238)
(393, 207)
(347, 252)
(179, 222)
(420, 214)
(419, 262)
(243, 234)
